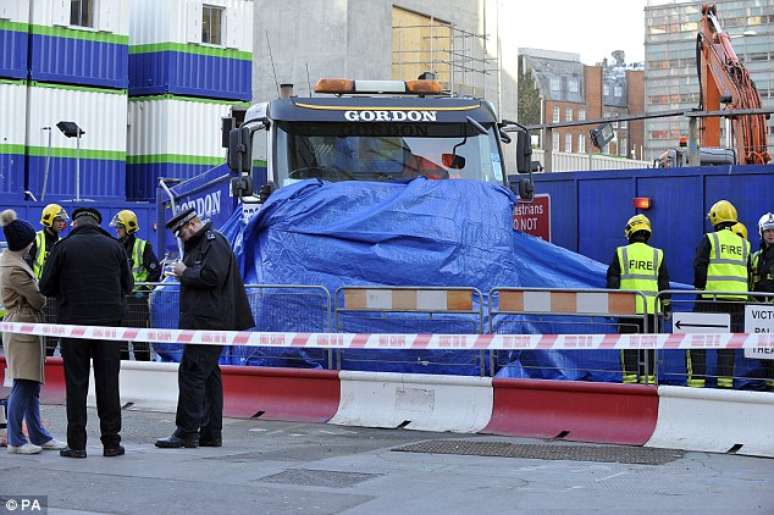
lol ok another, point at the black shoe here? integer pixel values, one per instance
(211, 442)
(111, 452)
(72, 453)
(175, 442)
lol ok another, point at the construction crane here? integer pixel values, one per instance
(724, 80)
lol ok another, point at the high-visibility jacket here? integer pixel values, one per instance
(727, 270)
(139, 272)
(639, 264)
(40, 254)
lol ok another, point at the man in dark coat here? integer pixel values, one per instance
(88, 274)
(212, 296)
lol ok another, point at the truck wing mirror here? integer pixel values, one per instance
(240, 150)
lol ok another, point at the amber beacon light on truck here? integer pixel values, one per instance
(348, 86)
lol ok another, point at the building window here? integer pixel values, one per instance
(557, 115)
(618, 91)
(605, 90)
(82, 13)
(212, 26)
(556, 84)
(568, 114)
(572, 85)
(581, 144)
(568, 143)
(555, 141)
(622, 147)
(582, 115)
(624, 124)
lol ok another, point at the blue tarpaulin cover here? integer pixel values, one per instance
(419, 233)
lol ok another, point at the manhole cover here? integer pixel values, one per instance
(626, 455)
(309, 477)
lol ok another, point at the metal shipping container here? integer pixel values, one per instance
(13, 109)
(101, 113)
(589, 209)
(80, 47)
(14, 26)
(174, 137)
(168, 52)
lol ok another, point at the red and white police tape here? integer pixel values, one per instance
(399, 341)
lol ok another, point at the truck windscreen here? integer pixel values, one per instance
(386, 152)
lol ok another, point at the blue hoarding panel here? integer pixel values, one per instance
(564, 199)
(598, 233)
(142, 179)
(13, 54)
(189, 74)
(79, 61)
(100, 178)
(12, 176)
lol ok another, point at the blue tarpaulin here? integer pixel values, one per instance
(419, 233)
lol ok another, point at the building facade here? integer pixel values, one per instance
(671, 80)
(567, 90)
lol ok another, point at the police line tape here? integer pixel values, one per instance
(388, 341)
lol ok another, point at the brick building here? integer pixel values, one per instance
(568, 90)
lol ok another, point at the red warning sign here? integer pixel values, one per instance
(534, 216)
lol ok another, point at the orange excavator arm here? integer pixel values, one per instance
(724, 79)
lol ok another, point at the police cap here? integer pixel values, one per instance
(87, 211)
(175, 223)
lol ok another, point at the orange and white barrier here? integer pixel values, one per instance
(405, 299)
(400, 341)
(567, 302)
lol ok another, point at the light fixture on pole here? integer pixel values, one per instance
(71, 130)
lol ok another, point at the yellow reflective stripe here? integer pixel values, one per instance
(138, 270)
(40, 254)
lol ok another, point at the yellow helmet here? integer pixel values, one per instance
(50, 213)
(126, 219)
(637, 223)
(740, 230)
(722, 211)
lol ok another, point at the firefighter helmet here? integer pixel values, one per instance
(50, 213)
(766, 223)
(722, 211)
(126, 219)
(740, 230)
(636, 224)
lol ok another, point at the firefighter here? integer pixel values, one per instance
(54, 220)
(740, 230)
(722, 263)
(145, 268)
(638, 266)
(763, 275)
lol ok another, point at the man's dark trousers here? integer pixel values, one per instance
(107, 365)
(200, 406)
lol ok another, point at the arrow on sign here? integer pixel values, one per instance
(680, 324)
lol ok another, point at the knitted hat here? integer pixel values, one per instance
(18, 233)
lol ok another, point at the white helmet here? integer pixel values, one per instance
(766, 223)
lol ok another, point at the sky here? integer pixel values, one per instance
(592, 28)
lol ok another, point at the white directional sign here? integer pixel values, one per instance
(701, 323)
(759, 318)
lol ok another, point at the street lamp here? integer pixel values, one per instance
(71, 130)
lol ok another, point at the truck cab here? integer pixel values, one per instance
(367, 131)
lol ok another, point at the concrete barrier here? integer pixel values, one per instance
(699, 419)
(414, 401)
(145, 385)
(574, 410)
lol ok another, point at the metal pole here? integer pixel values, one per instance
(693, 143)
(47, 165)
(548, 146)
(78, 167)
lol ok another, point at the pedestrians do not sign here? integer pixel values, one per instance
(759, 318)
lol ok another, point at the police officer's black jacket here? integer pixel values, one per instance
(88, 273)
(764, 272)
(212, 294)
(149, 260)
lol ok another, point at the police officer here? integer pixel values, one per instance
(722, 263)
(212, 296)
(638, 266)
(763, 274)
(88, 274)
(54, 219)
(145, 268)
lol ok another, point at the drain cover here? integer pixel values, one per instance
(626, 455)
(309, 477)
